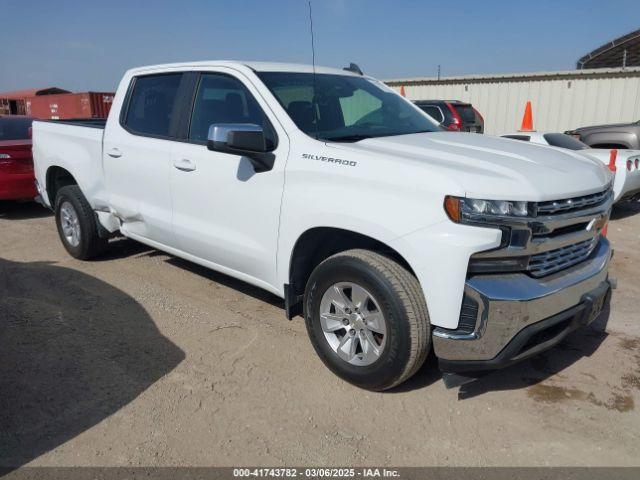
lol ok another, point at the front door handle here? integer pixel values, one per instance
(185, 165)
(115, 153)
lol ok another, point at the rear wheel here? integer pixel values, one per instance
(367, 319)
(77, 224)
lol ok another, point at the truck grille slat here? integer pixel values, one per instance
(553, 261)
(571, 204)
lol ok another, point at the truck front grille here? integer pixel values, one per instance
(571, 204)
(558, 259)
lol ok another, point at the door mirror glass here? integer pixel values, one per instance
(246, 139)
(239, 138)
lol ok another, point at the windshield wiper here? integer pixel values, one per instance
(348, 138)
(362, 136)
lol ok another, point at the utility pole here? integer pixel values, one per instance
(439, 71)
(624, 58)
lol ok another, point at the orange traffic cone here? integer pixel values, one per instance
(612, 160)
(402, 91)
(527, 120)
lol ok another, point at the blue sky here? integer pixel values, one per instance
(87, 45)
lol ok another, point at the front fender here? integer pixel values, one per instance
(439, 256)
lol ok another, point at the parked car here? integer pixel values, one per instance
(618, 135)
(453, 115)
(389, 235)
(17, 180)
(626, 185)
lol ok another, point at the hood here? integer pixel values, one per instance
(604, 155)
(490, 167)
(606, 126)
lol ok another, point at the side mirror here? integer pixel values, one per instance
(246, 139)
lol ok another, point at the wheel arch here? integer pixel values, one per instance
(319, 243)
(56, 178)
(609, 146)
(610, 139)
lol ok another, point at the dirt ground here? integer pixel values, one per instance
(144, 359)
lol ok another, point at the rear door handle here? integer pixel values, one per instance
(115, 153)
(185, 165)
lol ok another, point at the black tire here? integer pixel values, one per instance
(402, 303)
(90, 243)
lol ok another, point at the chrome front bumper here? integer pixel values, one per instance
(507, 304)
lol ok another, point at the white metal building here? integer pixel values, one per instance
(561, 100)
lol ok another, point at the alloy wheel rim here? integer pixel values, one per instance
(353, 323)
(70, 224)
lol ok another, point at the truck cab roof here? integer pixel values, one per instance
(255, 66)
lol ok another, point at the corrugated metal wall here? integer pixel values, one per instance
(560, 100)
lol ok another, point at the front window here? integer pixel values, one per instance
(343, 108)
(224, 99)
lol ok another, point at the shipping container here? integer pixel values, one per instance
(14, 103)
(11, 106)
(70, 105)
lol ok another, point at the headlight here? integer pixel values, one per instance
(460, 209)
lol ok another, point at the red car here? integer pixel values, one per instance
(17, 180)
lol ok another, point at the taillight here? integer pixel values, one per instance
(11, 165)
(637, 163)
(629, 165)
(456, 121)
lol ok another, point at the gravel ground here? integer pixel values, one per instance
(144, 359)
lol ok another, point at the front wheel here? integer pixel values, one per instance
(367, 319)
(77, 224)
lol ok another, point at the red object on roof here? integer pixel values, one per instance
(32, 92)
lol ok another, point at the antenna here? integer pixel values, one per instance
(313, 63)
(354, 68)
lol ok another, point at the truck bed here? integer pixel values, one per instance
(80, 122)
(74, 146)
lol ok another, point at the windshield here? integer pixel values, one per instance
(345, 108)
(15, 128)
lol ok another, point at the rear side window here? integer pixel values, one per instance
(564, 141)
(434, 112)
(224, 99)
(15, 128)
(152, 104)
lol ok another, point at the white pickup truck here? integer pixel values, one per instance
(328, 189)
